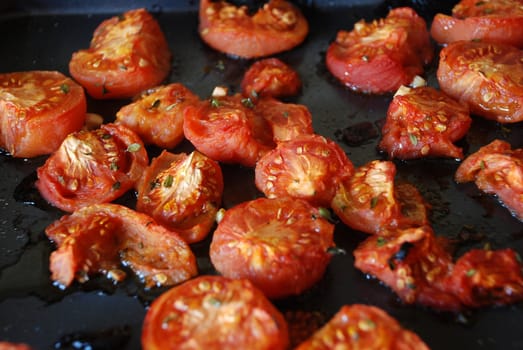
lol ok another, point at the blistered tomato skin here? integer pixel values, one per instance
(270, 77)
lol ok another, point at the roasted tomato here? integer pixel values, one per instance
(182, 192)
(487, 20)
(277, 26)
(488, 277)
(486, 77)
(424, 122)
(157, 115)
(128, 54)
(307, 167)
(280, 245)
(91, 167)
(361, 326)
(214, 313)
(13, 346)
(370, 201)
(226, 129)
(381, 56)
(270, 77)
(38, 109)
(100, 237)
(496, 169)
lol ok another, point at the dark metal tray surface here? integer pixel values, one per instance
(101, 315)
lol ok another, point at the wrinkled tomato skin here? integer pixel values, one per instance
(380, 56)
(277, 26)
(489, 21)
(360, 326)
(280, 245)
(214, 313)
(270, 77)
(4, 345)
(496, 169)
(38, 109)
(424, 122)
(307, 167)
(487, 77)
(100, 238)
(127, 54)
(91, 167)
(182, 192)
(155, 108)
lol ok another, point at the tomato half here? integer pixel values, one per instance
(360, 326)
(487, 20)
(307, 167)
(99, 238)
(182, 192)
(38, 109)
(214, 313)
(157, 114)
(270, 77)
(280, 245)
(127, 54)
(91, 167)
(382, 55)
(496, 169)
(486, 77)
(4, 345)
(277, 26)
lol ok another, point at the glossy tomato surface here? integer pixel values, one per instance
(270, 77)
(38, 109)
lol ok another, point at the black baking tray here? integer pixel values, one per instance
(100, 315)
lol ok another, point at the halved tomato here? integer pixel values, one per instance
(278, 26)
(280, 245)
(214, 313)
(382, 55)
(128, 54)
(38, 109)
(182, 192)
(91, 167)
(270, 77)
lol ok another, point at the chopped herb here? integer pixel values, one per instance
(106, 136)
(122, 67)
(488, 11)
(480, 3)
(411, 286)
(65, 88)
(326, 214)
(155, 104)
(254, 94)
(477, 40)
(220, 65)
(247, 102)
(373, 202)
(286, 114)
(61, 180)
(471, 272)
(133, 147)
(336, 251)
(117, 185)
(171, 106)
(482, 165)
(114, 166)
(381, 241)
(168, 182)
(215, 102)
(214, 302)
(413, 139)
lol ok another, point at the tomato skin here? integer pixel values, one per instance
(38, 109)
(486, 77)
(424, 122)
(4, 345)
(153, 110)
(496, 169)
(307, 167)
(91, 167)
(235, 315)
(270, 77)
(277, 26)
(360, 326)
(490, 21)
(100, 237)
(182, 192)
(280, 245)
(380, 56)
(127, 54)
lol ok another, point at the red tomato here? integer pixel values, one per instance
(214, 313)
(370, 201)
(91, 167)
(486, 77)
(278, 26)
(38, 109)
(100, 237)
(496, 169)
(361, 326)
(280, 245)
(182, 192)
(308, 167)
(424, 122)
(228, 130)
(270, 77)
(382, 55)
(487, 20)
(13, 346)
(155, 109)
(128, 54)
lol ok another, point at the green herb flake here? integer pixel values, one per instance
(488, 11)
(106, 136)
(114, 166)
(247, 102)
(413, 139)
(411, 286)
(65, 88)
(336, 251)
(171, 106)
(381, 241)
(133, 147)
(374, 202)
(215, 103)
(214, 302)
(122, 67)
(482, 165)
(117, 185)
(220, 65)
(168, 182)
(325, 213)
(254, 94)
(286, 114)
(470, 273)
(481, 3)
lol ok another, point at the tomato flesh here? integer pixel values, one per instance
(270, 77)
